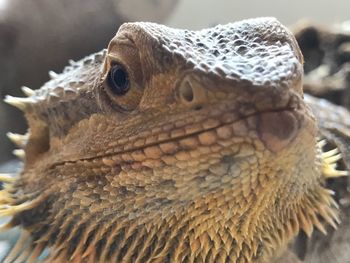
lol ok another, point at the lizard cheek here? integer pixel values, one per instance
(277, 129)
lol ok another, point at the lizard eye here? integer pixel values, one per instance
(118, 80)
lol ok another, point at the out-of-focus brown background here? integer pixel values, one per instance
(41, 35)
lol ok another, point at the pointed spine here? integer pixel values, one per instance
(18, 139)
(19, 153)
(27, 91)
(21, 103)
(7, 178)
(52, 74)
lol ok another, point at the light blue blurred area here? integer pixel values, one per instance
(8, 238)
(4, 247)
(13, 167)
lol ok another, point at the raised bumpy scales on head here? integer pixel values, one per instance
(172, 146)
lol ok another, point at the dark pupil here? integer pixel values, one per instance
(118, 80)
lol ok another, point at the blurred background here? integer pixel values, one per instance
(41, 35)
(195, 14)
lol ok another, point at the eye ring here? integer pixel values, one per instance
(118, 80)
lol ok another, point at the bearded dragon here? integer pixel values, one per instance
(172, 146)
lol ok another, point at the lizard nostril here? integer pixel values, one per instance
(186, 92)
(192, 93)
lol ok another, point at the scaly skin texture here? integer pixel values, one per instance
(210, 156)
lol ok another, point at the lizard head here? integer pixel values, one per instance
(173, 144)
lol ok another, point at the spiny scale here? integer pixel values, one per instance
(19, 153)
(27, 91)
(71, 62)
(7, 178)
(20, 103)
(53, 74)
(330, 160)
(18, 139)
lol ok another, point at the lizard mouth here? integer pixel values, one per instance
(275, 128)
